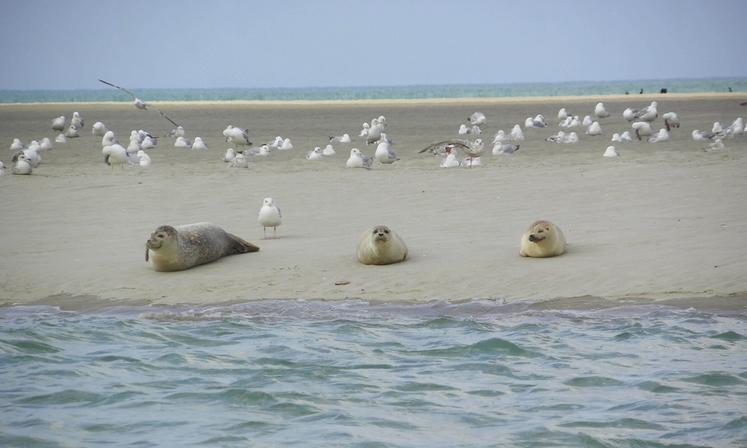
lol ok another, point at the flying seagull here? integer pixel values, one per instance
(140, 104)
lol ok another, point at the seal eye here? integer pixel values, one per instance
(386, 231)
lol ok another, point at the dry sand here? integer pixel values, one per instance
(664, 221)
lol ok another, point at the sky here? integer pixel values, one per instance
(226, 43)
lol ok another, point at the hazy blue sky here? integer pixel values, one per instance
(226, 43)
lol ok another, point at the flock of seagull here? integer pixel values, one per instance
(469, 141)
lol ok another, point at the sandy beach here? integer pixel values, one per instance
(664, 221)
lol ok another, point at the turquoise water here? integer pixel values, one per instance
(581, 88)
(353, 374)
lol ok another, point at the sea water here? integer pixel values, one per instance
(578, 88)
(356, 374)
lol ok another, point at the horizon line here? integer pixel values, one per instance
(363, 86)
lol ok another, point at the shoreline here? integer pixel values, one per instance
(737, 96)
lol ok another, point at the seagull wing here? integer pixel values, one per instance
(166, 117)
(120, 88)
(438, 147)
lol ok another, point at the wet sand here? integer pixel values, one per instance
(662, 221)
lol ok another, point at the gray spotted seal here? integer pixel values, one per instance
(381, 245)
(542, 239)
(182, 247)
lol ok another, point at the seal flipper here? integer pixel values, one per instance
(239, 246)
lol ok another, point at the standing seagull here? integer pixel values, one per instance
(269, 216)
(140, 104)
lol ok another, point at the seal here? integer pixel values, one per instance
(186, 246)
(542, 239)
(381, 245)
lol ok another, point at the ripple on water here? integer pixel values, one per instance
(64, 397)
(715, 379)
(593, 381)
(491, 346)
(626, 423)
(731, 336)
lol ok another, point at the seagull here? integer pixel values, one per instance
(701, 135)
(144, 159)
(98, 129)
(715, 145)
(344, 138)
(77, 120)
(474, 129)
(277, 142)
(374, 132)
(17, 145)
(586, 122)
(504, 148)
(473, 149)
(269, 216)
(661, 136)
(648, 113)
(594, 129)
(237, 135)
(477, 119)
(315, 154)
(108, 139)
(358, 160)
(629, 114)
(45, 144)
(539, 121)
(116, 154)
(286, 145)
(364, 130)
(177, 132)
(642, 129)
(600, 111)
(671, 120)
(60, 138)
(449, 159)
(500, 137)
(516, 134)
(556, 138)
(148, 142)
(736, 127)
(58, 124)
(199, 144)
(230, 155)
(329, 150)
(72, 131)
(21, 164)
(239, 161)
(384, 153)
(610, 152)
(182, 142)
(140, 104)
(562, 114)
